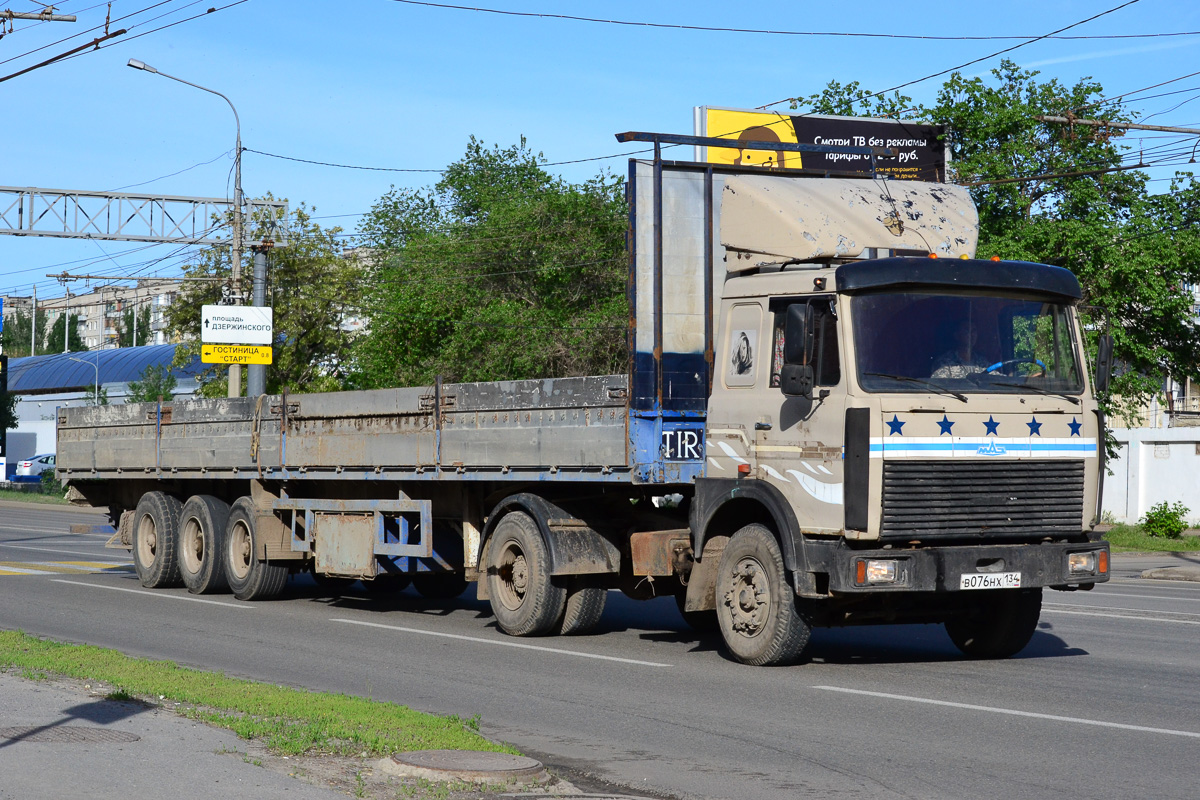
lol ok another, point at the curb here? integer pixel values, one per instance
(1173, 574)
(471, 766)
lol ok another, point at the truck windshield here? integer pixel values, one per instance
(922, 342)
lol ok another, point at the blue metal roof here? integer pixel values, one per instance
(57, 373)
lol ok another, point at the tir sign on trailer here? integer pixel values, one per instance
(236, 334)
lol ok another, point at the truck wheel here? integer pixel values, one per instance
(756, 607)
(249, 578)
(524, 599)
(155, 528)
(583, 608)
(439, 585)
(201, 533)
(699, 621)
(999, 625)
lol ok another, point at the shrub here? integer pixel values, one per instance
(1166, 521)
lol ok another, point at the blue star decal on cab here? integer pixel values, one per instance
(1035, 427)
(991, 426)
(945, 424)
(1074, 426)
(895, 424)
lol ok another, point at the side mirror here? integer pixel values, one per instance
(796, 380)
(1104, 363)
(798, 334)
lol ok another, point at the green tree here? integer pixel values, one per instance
(96, 397)
(8, 411)
(499, 271)
(1135, 253)
(155, 381)
(313, 290)
(54, 339)
(125, 337)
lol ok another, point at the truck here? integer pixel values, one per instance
(833, 415)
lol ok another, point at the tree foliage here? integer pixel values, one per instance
(312, 290)
(17, 334)
(130, 324)
(54, 338)
(1136, 254)
(499, 271)
(154, 382)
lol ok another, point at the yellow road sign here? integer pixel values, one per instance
(235, 354)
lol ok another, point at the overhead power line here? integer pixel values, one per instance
(982, 58)
(773, 32)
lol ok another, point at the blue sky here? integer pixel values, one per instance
(390, 84)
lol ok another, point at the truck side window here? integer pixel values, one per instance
(826, 363)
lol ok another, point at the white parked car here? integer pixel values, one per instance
(36, 465)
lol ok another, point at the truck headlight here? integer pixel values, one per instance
(1082, 563)
(876, 570)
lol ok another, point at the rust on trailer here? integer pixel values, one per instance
(659, 552)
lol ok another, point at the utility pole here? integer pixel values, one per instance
(33, 325)
(256, 374)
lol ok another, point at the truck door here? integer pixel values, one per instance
(798, 443)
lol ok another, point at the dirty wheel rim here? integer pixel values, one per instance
(748, 598)
(147, 540)
(240, 550)
(513, 569)
(192, 542)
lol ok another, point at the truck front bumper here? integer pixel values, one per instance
(834, 568)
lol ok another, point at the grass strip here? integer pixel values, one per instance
(33, 497)
(1133, 539)
(289, 721)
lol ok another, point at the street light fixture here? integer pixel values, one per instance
(95, 366)
(235, 370)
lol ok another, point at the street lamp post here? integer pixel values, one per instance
(235, 370)
(95, 366)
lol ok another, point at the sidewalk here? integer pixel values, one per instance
(56, 742)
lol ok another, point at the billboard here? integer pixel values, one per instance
(3, 400)
(920, 149)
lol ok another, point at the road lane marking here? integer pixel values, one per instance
(1115, 595)
(1124, 616)
(162, 595)
(504, 643)
(61, 567)
(54, 550)
(1058, 606)
(1012, 712)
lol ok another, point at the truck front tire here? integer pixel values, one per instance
(155, 535)
(998, 624)
(249, 578)
(756, 607)
(524, 599)
(202, 525)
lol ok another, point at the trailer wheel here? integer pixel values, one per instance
(155, 528)
(524, 599)
(386, 584)
(583, 608)
(201, 533)
(439, 585)
(249, 578)
(999, 625)
(756, 607)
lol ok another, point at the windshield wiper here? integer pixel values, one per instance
(937, 387)
(1037, 389)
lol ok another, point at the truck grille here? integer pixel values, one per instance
(1011, 499)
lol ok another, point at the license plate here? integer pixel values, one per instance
(990, 580)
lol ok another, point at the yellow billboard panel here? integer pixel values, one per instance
(755, 126)
(235, 354)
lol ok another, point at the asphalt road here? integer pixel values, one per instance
(1103, 703)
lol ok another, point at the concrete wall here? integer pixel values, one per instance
(1155, 465)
